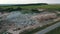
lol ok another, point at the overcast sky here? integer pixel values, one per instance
(27, 1)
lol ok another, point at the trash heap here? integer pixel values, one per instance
(21, 20)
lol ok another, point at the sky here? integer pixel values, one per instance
(28, 1)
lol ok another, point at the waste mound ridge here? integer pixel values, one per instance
(21, 20)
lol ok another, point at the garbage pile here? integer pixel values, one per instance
(21, 20)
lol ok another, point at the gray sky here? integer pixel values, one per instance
(27, 1)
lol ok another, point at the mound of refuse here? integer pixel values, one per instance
(21, 20)
(18, 21)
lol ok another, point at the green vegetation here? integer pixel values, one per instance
(43, 6)
(29, 8)
(55, 31)
(36, 6)
(33, 4)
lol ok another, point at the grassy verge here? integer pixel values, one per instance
(55, 31)
(38, 29)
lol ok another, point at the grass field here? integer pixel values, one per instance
(29, 8)
(37, 6)
(43, 6)
(55, 31)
